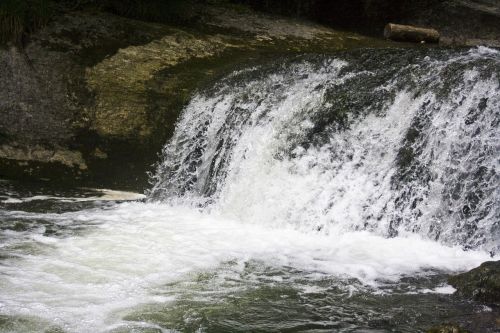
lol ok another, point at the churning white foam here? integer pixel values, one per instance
(335, 187)
(83, 283)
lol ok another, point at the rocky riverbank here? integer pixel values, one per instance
(94, 95)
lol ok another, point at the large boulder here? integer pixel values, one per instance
(481, 284)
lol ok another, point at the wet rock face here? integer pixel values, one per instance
(481, 284)
(31, 101)
(46, 103)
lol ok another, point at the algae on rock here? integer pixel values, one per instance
(481, 284)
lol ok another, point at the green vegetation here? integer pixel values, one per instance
(20, 17)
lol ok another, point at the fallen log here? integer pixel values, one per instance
(408, 33)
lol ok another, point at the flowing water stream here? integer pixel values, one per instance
(311, 194)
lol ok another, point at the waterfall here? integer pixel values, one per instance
(387, 141)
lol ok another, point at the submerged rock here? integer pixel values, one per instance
(447, 328)
(481, 284)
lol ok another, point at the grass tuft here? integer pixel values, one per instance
(21, 17)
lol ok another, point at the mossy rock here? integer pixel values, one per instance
(447, 328)
(481, 284)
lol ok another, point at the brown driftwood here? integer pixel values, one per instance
(408, 33)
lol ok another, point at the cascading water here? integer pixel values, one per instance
(320, 193)
(390, 142)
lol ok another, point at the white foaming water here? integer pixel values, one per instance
(310, 166)
(336, 187)
(461, 153)
(85, 283)
(296, 147)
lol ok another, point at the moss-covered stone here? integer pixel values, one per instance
(481, 284)
(447, 328)
(120, 81)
